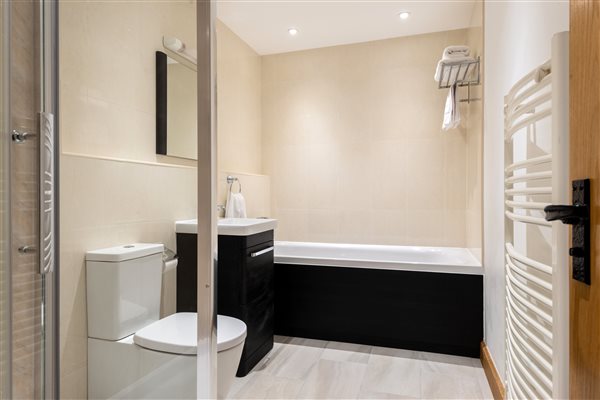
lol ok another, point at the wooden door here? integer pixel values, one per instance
(585, 163)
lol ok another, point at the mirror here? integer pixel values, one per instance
(176, 122)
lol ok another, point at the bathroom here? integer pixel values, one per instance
(339, 140)
(308, 208)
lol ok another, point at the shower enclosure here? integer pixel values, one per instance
(28, 203)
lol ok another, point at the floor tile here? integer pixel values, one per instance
(266, 386)
(393, 371)
(398, 353)
(238, 383)
(295, 358)
(482, 378)
(338, 351)
(377, 395)
(282, 339)
(316, 369)
(449, 365)
(333, 380)
(441, 386)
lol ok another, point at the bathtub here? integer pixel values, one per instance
(416, 298)
(399, 258)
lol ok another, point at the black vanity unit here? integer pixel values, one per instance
(245, 285)
(245, 291)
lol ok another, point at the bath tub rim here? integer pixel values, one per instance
(473, 267)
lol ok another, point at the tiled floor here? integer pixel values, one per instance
(314, 369)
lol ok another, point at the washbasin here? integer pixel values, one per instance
(231, 226)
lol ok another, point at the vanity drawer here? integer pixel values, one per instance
(258, 239)
(257, 273)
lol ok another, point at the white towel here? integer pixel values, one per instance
(452, 111)
(236, 206)
(465, 74)
(451, 52)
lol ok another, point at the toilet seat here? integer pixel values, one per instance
(177, 334)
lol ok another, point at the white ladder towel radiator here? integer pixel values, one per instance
(536, 127)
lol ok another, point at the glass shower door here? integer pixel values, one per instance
(27, 201)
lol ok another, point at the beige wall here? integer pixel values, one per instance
(108, 68)
(107, 111)
(525, 30)
(238, 104)
(239, 122)
(474, 134)
(353, 144)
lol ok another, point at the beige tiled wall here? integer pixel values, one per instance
(353, 143)
(107, 89)
(238, 104)
(474, 132)
(107, 53)
(239, 121)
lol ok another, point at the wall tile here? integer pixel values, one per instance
(354, 132)
(239, 106)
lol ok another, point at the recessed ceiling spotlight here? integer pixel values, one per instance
(293, 31)
(404, 15)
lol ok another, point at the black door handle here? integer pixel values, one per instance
(577, 215)
(572, 215)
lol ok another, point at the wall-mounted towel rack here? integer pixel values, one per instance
(460, 73)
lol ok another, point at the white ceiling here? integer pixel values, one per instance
(264, 24)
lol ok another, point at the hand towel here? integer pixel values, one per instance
(451, 111)
(236, 206)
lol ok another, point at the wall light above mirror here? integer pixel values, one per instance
(176, 100)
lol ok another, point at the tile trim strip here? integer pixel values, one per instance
(130, 161)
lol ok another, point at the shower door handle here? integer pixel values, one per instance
(47, 193)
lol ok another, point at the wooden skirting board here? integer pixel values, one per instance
(491, 373)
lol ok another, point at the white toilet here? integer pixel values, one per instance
(131, 352)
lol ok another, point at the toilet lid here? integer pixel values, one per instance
(177, 334)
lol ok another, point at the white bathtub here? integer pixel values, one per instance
(452, 260)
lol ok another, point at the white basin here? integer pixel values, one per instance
(245, 226)
(231, 226)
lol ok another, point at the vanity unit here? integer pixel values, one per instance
(245, 282)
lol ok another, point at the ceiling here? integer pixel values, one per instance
(264, 24)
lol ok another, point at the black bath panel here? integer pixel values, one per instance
(424, 311)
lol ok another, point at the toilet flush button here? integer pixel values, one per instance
(128, 246)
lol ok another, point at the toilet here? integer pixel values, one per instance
(132, 353)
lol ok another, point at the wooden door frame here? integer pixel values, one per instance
(584, 99)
